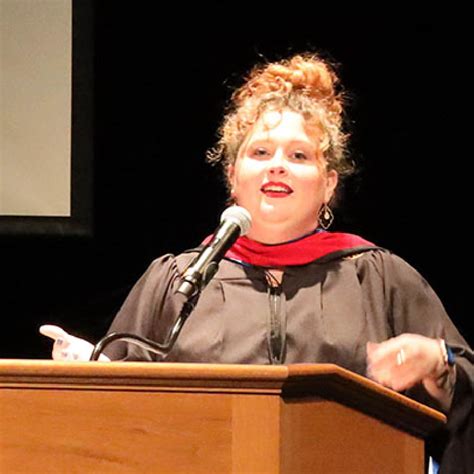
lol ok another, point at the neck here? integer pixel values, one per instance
(277, 234)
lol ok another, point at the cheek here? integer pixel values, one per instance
(313, 189)
(312, 179)
(246, 174)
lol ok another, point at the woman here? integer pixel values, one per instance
(289, 291)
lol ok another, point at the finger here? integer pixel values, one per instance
(371, 347)
(398, 380)
(380, 372)
(54, 332)
(59, 354)
(382, 377)
(403, 382)
(389, 363)
(399, 377)
(70, 355)
(389, 377)
(385, 352)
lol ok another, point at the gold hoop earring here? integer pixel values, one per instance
(326, 217)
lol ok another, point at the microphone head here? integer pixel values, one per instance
(238, 215)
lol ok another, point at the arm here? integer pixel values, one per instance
(418, 320)
(149, 311)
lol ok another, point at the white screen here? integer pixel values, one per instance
(35, 107)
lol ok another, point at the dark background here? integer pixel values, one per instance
(160, 83)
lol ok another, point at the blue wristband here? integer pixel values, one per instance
(447, 353)
(451, 358)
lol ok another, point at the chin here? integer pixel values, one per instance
(273, 214)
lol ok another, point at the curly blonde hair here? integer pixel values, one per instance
(304, 83)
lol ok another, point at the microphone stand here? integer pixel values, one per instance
(235, 221)
(161, 349)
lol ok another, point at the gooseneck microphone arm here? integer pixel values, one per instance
(161, 349)
(235, 221)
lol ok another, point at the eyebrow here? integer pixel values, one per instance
(291, 142)
(263, 141)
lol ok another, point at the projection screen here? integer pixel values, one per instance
(45, 89)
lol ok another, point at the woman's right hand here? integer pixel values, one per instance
(67, 347)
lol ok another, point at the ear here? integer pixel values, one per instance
(331, 183)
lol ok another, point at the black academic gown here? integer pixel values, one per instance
(323, 312)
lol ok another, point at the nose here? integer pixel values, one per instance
(277, 164)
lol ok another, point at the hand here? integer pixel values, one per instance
(67, 347)
(404, 361)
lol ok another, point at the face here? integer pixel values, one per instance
(280, 177)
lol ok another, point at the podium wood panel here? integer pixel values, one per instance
(198, 418)
(323, 436)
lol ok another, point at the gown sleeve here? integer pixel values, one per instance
(415, 308)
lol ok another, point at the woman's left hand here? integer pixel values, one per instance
(405, 360)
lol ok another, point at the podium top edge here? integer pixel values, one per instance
(293, 381)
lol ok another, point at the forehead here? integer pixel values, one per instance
(281, 125)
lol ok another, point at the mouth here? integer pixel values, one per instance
(274, 189)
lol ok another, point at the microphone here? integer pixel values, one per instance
(235, 221)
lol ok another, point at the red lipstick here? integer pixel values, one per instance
(276, 189)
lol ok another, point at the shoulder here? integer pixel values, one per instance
(383, 265)
(400, 280)
(162, 269)
(170, 261)
(382, 261)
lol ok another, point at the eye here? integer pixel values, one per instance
(260, 152)
(300, 155)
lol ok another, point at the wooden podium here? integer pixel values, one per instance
(126, 417)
